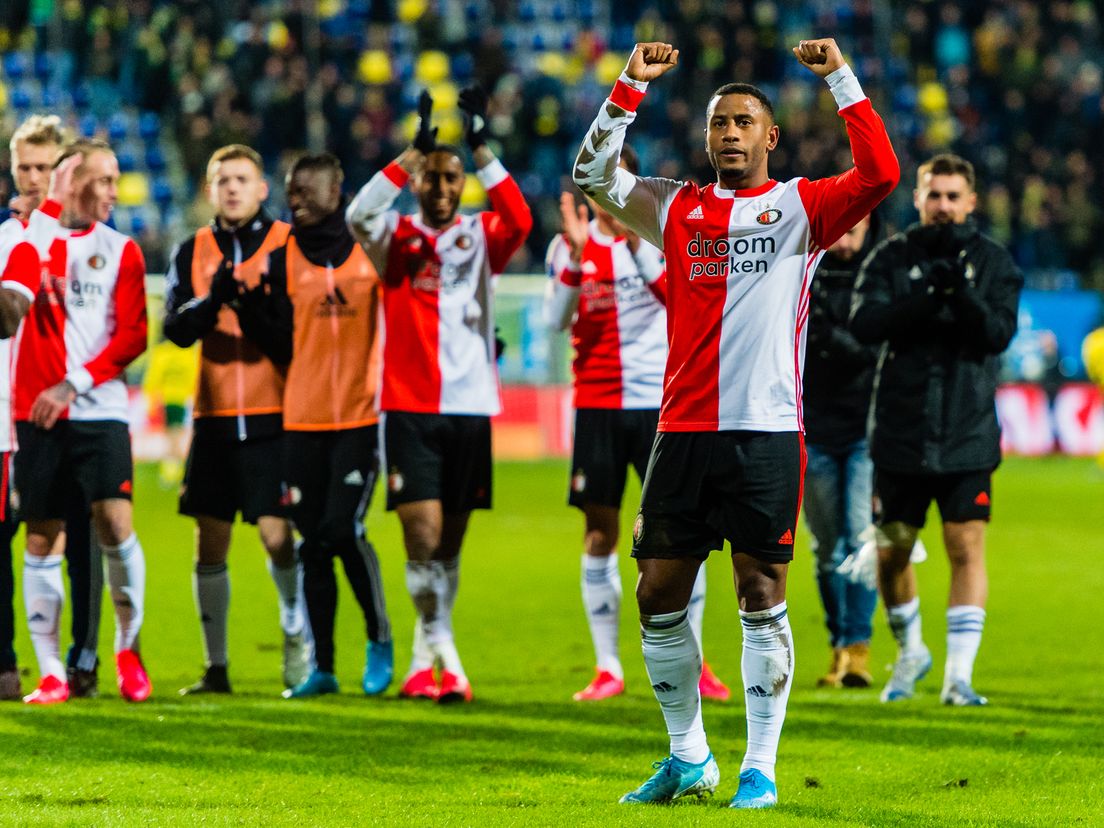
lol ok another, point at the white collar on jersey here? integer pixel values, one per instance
(598, 236)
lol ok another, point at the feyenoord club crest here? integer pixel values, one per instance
(96, 261)
(578, 481)
(395, 481)
(463, 241)
(771, 216)
(638, 528)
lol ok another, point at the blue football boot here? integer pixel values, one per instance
(676, 778)
(316, 684)
(378, 667)
(755, 791)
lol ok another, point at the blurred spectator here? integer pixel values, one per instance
(1015, 87)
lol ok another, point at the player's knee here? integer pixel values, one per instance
(601, 541)
(898, 536)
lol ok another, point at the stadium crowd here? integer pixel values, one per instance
(971, 78)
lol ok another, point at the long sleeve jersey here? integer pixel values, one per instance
(22, 249)
(612, 301)
(739, 263)
(86, 325)
(438, 293)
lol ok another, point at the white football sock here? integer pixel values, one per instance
(43, 595)
(767, 665)
(673, 662)
(126, 579)
(211, 583)
(696, 610)
(289, 592)
(964, 627)
(427, 583)
(601, 584)
(904, 622)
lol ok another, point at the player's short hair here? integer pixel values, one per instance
(630, 159)
(40, 130)
(232, 152)
(84, 147)
(745, 89)
(947, 163)
(318, 161)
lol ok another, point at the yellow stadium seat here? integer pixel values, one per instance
(374, 67)
(411, 10)
(450, 128)
(277, 35)
(609, 67)
(473, 196)
(932, 98)
(134, 189)
(431, 67)
(552, 64)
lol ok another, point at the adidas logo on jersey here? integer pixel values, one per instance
(354, 478)
(696, 214)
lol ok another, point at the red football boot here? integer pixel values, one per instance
(712, 687)
(604, 685)
(453, 688)
(420, 685)
(51, 690)
(134, 684)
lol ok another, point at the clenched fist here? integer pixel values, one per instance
(650, 60)
(822, 57)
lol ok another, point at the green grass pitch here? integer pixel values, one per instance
(524, 753)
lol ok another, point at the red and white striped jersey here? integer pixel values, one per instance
(613, 302)
(22, 247)
(438, 293)
(739, 263)
(87, 323)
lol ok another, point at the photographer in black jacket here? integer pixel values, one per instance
(942, 299)
(838, 380)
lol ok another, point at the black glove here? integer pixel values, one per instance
(425, 139)
(946, 276)
(473, 103)
(224, 287)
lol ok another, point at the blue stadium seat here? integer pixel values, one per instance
(88, 126)
(20, 98)
(127, 161)
(155, 159)
(52, 98)
(117, 127)
(81, 98)
(149, 126)
(162, 192)
(463, 68)
(43, 66)
(15, 65)
(138, 223)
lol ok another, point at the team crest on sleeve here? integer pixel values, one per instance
(771, 216)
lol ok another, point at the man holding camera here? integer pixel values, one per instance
(942, 299)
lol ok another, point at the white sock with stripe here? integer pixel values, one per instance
(211, 583)
(428, 585)
(673, 662)
(767, 665)
(964, 627)
(125, 565)
(904, 623)
(44, 595)
(601, 584)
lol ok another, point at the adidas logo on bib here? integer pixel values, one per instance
(695, 214)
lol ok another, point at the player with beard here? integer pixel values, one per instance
(87, 324)
(317, 310)
(728, 459)
(440, 383)
(235, 459)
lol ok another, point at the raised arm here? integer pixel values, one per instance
(640, 203)
(369, 215)
(564, 263)
(836, 204)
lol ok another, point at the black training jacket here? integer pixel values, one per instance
(839, 370)
(933, 409)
